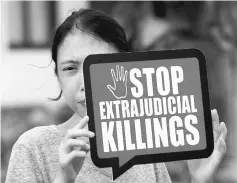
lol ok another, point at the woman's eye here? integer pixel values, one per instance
(69, 68)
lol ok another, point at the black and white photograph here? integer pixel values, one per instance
(51, 121)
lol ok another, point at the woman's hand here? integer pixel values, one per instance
(202, 170)
(73, 150)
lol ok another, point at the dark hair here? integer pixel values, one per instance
(92, 22)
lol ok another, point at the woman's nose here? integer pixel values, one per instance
(82, 88)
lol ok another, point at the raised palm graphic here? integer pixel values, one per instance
(119, 90)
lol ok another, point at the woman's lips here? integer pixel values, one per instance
(83, 101)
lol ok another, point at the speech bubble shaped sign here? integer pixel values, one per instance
(147, 107)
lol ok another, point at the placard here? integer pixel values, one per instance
(147, 107)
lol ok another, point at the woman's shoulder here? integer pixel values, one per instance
(40, 135)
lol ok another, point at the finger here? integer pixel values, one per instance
(85, 139)
(215, 124)
(121, 73)
(125, 76)
(114, 76)
(117, 69)
(71, 143)
(74, 133)
(219, 151)
(222, 147)
(111, 88)
(223, 130)
(83, 122)
(215, 116)
(86, 149)
(76, 153)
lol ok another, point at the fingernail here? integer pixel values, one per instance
(92, 134)
(223, 124)
(86, 118)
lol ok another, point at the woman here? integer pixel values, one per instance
(60, 154)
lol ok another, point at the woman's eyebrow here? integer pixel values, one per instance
(70, 62)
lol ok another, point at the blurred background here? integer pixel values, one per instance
(28, 78)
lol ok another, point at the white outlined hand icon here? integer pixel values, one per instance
(119, 90)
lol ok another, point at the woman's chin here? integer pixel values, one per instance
(82, 110)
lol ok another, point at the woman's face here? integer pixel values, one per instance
(71, 54)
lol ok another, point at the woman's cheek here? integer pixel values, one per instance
(69, 99)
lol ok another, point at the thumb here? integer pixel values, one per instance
(111, 88)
